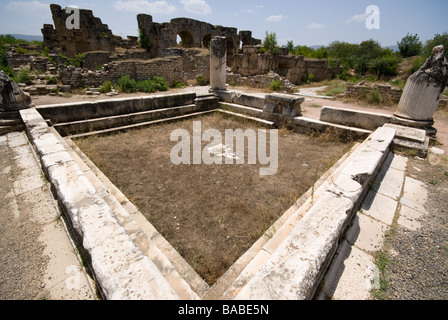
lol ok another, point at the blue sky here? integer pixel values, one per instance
(304, 22)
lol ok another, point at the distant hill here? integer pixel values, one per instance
(28, 37)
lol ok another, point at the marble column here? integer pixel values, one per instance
(422, 93)
(218, 63)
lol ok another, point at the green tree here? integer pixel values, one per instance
(439, 39)
(270, 43)
(410, 46)
(290, 47)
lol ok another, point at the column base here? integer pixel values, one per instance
(423, 125)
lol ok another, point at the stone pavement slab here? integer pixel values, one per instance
(380, 207)
(31, 200)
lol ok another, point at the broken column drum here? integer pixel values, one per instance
(218, 63)
(422, 93)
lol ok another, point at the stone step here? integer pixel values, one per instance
(304, 124)
(80, 127)
(411, 138)
(10, 115)
(140, 125)
(262, 122)
(10, 122)
(14, 128)
(254, 112)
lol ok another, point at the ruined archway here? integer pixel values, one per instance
(206, 41)
(231, 47)
(186, 39)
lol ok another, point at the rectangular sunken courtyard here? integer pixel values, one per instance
(211, 214)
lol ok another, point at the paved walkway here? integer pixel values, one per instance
(37, 258)
(393, 197)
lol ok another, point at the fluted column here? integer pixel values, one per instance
(422, 93)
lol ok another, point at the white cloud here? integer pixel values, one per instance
(249, 11)
(196, 6)
(358, 18)
(143, 6)
(260, 7)
(22, 6)
(276, 18)
(315, 26)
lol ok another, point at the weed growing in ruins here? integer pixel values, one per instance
(178, 84)
(310, 78)
(270, 43)
(52, 80)
(106, 87)
(128, 85)
(144, 41)
(201, 80)
(275, 85)
(23, 76)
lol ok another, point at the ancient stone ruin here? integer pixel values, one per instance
(92, 36)
(12, 100)
(107, 57)
(422, 93)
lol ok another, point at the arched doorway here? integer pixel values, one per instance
(185, 39)
(206, 41)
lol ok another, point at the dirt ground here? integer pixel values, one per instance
(211, 214)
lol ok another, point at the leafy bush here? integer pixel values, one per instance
(178, 84)
(270, 43)
(310, 78)
(76, 62)
(201, 80)
(144, 41)
(439, 39)
(106, 87)
(128, 85)
(23, 76)
(410, 46)
(52, 80)
(275, 85)
(418, 63)
(374, 97)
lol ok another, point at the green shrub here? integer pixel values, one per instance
(159, 83)
(418, 63)
(270, 43)
(275, 85)
(52, 80)
(310, 78)
(23, 76)
(178, 84)
(374, 97)
(128, 85)
(144, 41)
(410, 46)
(106, 87)
(201, 80)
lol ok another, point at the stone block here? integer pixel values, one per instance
(354, 118)
(293, 271)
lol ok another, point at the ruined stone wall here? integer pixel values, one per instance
(193, 34)
(93, 35)
(294, 68)
(261, 81)
(356, 91)
(171, 69)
